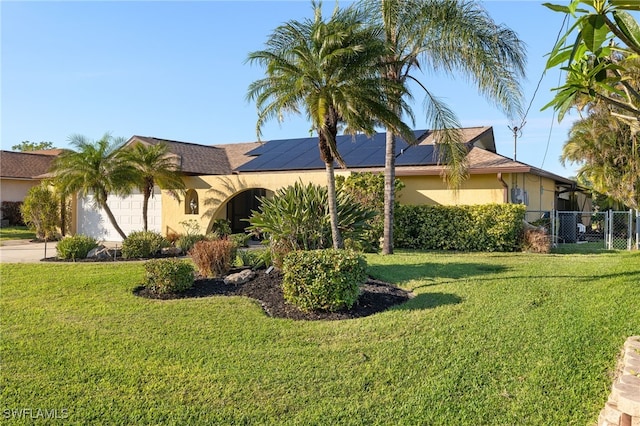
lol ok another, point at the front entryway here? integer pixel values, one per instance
(239, 208)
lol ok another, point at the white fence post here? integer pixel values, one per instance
(554, 231)
(607, 230)
(630, 230)
(637, 229)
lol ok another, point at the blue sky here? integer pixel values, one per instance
(176, 70)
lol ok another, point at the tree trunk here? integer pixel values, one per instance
(63, 215)
(146, 193)
(389, 192)
(145, 207)
(333, 207)
(112, 219)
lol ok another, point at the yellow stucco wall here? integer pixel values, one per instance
(478, 189)
(540, 190)
(215, 191)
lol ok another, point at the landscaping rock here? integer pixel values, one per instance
(171, 251)
(100, 252)
(240, 277)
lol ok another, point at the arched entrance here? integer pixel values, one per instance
(240, 206)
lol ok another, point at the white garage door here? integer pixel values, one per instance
(94, 221)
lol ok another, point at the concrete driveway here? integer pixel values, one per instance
(24, 251)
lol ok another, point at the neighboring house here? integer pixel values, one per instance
(20, 171)
(224, 181)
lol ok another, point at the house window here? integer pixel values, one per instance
(191, 205)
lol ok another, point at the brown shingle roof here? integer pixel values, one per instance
(194, 159)
(482, 161)
(236, 152)
(478, 136)
(24, 165)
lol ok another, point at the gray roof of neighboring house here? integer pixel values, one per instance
(25, 165)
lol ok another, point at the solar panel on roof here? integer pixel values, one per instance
(357, 151)
(417, 155)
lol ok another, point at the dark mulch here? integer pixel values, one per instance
(376, 296)
(117, 258)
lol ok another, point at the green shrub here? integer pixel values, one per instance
(297, 218)
(213, 258)
(186, 242)
(326, 280)
(488, 227)
(143, 244)
(75, 247)
(41, 211)
(240, 240)
(168, 275)
(255, 258)
(220, 228)
(368, 190)
(12, 211)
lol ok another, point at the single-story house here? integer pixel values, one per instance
(223, 181)
(20, 171)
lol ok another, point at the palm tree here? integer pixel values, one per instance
(154, 166)
(608, 152)
(445, 36)
(96, 168)
(329, 69)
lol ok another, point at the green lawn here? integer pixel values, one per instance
(489, 339)
(16, 233)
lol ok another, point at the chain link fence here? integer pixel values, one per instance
(615, 230)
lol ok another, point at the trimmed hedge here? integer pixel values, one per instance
(486, 227)
(75, 247)
(164, 276)
(141, 244)
(327, 280)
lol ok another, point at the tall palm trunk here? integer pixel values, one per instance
(392, 73)
(327, 155)
(103, 204)
(146, 193)
(336, 235)
(145, 209)
(389, 191)
(63, 214)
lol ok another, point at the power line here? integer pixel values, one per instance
(553, 116)
(553, 119)
(517, 130)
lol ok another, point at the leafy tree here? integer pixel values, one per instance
(608, 151)
(603, 80)
(600, 201)
(368, 189)
(26, 146)
(153, 166)
(605, 34)
(40, 211)
(330, 70)
(445, 36)
(96, 168)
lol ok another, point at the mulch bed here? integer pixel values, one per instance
(376, 296)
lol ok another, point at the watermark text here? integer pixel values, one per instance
(35, 413)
